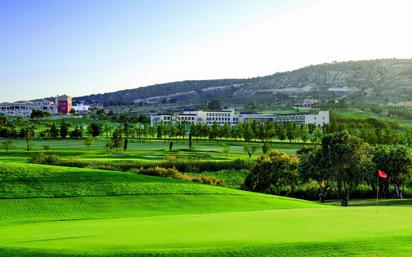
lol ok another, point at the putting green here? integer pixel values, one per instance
(214, 232)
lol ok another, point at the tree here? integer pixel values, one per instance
(124, 118)
(72, 112)
(396, 161)
(226, 150)
(116, 140)
(125, 144)
(53, 131)
(304, 133)
(317, 135)
(291, 131)
(143, 119)
(94, 129)
(225, 130)
(250, 150)
(214, 104)
(214, 131)
(126, 131)
(64, 129)
(35, 114)
(76, 133)
(101, 113)
(7, 144)
(275, 172)
(46, 148)
(159, 132)
(89, 141)
(107, 130)
(348, 158)
(192, 129)
(266, 148)
(314, 166)
(269, 130)
(28, 132)
(248, 134)
(280, 132)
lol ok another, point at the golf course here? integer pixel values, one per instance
(67, 211)
(209, 128)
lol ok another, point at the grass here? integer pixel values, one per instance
(364, 114)
(60, 211)
(29, 180)
(151, 152)
(65, 211)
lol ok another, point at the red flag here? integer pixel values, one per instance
(382, 174)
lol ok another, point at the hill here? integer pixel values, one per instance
(106, 213)
(372, 80)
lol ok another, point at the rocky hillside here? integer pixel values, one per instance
(374, 80)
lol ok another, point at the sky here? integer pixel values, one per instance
(80, 47)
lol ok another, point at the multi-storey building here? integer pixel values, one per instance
(229, 116)
(25, 108)
(62, 104)
(319, 119)
(196, 117)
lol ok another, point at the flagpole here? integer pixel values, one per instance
(377, 193)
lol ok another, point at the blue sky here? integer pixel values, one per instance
(80, 47)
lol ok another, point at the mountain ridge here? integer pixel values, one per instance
(373, 80)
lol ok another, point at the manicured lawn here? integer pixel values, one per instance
(154, 151)
(60, 211)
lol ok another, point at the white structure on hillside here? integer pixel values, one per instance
(206, 117)
(81, 108)
(319, 119)
(228, 116)
(25, 108)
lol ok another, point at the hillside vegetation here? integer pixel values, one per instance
(373, 80)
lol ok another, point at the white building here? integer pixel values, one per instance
(161, 118)
(25, 108)
(229, 116)
(196, 117)
(81, 108)
(319, 119)
(219, 117)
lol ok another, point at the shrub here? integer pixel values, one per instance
(207, 180)
(184, 166)
(162, 172)
(44, 158)
(273, 173)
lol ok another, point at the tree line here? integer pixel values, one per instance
(370, 130)
(340, 164)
